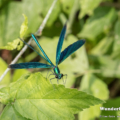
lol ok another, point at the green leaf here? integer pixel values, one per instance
(1, 107)
(94, 86)
(67, 5)
(34, 94)
(117, 36)
(90, 114)
(17, 43)
(106, 66)
(88, 6)
(8, 94)
(3, 67)
(18, 73)
(99, 23)
(103, 47)
(24, 27)
(11, 18)
(116, 46)
(11, 113)
(12, 45)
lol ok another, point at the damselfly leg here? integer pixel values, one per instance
(51, 82)
(50, 74)
(66, 78)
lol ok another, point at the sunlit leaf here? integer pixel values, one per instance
(34, 94)
(10, 113)
(17, 43)
(8, 94)
(67, 5)
(18, 73)
(116, 46)
(99, 23)
(1, 107)
(11, 17)
(24, 26)
(91, 113)
(117, 36)
(6, 79)
(11, 45)
(103, 47)
(106, 66)
(93, 85)
(88, 6)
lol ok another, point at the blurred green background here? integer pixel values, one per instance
(94, 68)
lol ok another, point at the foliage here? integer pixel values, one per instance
(33, 97)
(17, 43)
(87, 6)
(94, 68)
(6, 80)
(3, 67)
(95, 86)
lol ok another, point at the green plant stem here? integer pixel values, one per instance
(72, 16)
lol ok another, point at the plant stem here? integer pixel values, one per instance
(63, 18)
(25, 47)
(72, 16)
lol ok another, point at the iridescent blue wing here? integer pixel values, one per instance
(70, 49)
(33, 49)
(60, 43)
(29, 65)
(41, 49)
